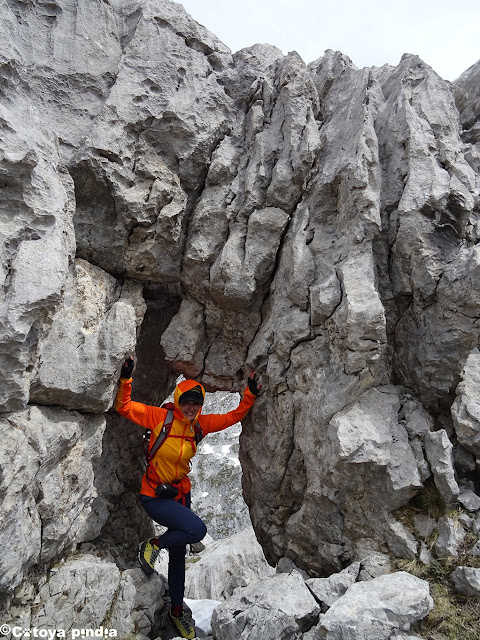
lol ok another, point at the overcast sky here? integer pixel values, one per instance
(444, 33)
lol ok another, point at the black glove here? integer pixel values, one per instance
(127, 368)
(253, 385)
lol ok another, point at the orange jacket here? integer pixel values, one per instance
(172, 460)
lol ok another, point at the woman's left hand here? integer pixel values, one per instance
(253, 385)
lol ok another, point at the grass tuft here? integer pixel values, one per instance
(454, 616)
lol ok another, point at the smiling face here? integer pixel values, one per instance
(190, 409)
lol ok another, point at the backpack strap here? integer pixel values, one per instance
(166, 428)
(198, 434)
(167, 425)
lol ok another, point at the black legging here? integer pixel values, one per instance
(184, 527)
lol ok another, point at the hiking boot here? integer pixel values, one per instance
(147, 554)
(182, 624)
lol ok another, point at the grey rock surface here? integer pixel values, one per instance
(36, 245)
(450, 536)
(90, 336)
(377, 608)
(466, 408)
(81, 591)
(470, 500)
(373, 565)
(277, 607)
(47, 486)
(466, 580)
(329, 590)
(88, 592)
(475, 550)
(317, 222)
(225, 565)
(439, 453)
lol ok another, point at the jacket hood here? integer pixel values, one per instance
(182, 387)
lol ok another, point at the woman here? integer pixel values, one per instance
(165, 490)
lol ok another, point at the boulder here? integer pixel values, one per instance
(438, 450)
(78, 593)
(225, 565)
(466, 580)
(277, 607)
(470, 500)
(377, 608)
(329, 590)
(450, 536)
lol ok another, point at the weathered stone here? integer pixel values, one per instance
(90, 336)
(226, 565)
(466, 407)
(450, 536)
(464, 460)
(88, 592)
(48, 486)
(277, 607)
(470, 500)
(183, 341)
(416, 444)
(475, 550)
(375, 564)
(80, 592)
(377, 608)
(36, 245)
(319, 223)
(425, 556)
(400, 540)
(466, 580)
(418, 422)
(329, 590)
(438, 450)
(136, 602)
(285, 565)
(476, 525)
(466, 520)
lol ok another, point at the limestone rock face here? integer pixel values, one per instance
(466, 408)
(47, 486)
(207, 213)
(88, 592)
(90, 335)
(225, 565)
(36, 245)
